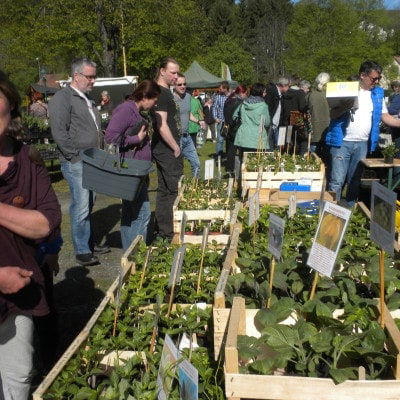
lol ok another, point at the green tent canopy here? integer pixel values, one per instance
(198, 78)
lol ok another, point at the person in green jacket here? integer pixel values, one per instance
(196, 109)
(255, 119)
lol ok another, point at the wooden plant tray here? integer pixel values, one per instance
(272, 180)
(276, 197)
(128, 267)
(198, 215)
(274, 387)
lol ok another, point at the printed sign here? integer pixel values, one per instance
(328, 238)
(230, 187)
(275, 235)
(204, 240)
(235, 212)
(208, 169)
(281, 136)
(259, 178)
(383, 212)
(167, 368)
(219, 167)
(175, 274)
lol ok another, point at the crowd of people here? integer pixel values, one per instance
(159, 124)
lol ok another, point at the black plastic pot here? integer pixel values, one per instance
(103, 173)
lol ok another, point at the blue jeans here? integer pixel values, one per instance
(190, 153)
(135, 217)
(219, 148)
(80, 208)
(346, 166)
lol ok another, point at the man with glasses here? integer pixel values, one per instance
(184, 99)
(354, 130)
(75, 126)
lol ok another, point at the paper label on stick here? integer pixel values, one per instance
(208, 169)
(281, 136)
(275, 235)
(183, 227)
(292, 205)
(219, 167)
(176, 269)
(257, 205)
(328, 238)
(188, 381)
(222, 281)
(289, 134)
(383, 212)
(167, 368)
(252, 210)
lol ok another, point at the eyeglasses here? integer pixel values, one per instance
(376, 79)
(181, 84)
(88, 77)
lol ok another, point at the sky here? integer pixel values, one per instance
(392, 4)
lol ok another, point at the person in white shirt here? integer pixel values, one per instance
(354, 130)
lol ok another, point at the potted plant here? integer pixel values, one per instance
(389, 152)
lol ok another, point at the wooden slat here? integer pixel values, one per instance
(301, 388)
(237, 326)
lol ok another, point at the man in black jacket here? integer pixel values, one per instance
(273, 99)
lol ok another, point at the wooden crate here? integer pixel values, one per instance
(274, 387)
(276, 197)
(127, 267)
(198, 215)
(272, 180)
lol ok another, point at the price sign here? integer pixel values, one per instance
(188, 381)
(289, 134)
(204, 239)
(208, 169)
(167, 368)
(281, 136)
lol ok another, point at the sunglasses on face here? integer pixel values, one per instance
(181, 84)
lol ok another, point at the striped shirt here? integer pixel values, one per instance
(218, 107)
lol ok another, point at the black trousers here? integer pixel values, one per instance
(169, 171)
(230, 154)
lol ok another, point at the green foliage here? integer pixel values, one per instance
(334, 36)
(228, 50)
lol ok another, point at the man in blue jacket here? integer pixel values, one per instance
(354, 130)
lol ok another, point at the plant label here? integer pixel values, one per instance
(219, 167)
(292, 205)
(275, 235)
(252, 210)
(328, 238)
(289, 134)
(383, 212)
(183, 227)
(281, 136)
(204, 239)
(230, 188)
(237, 168)
(188, 381)
(176, 269)
(259, 178)
(167, 368)
(208, 170)
(257, 205)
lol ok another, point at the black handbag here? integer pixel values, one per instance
(234, 126)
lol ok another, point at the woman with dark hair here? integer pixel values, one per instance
(29, 214)
(231, 104)
(38, 108)
(254, 116)
(131, 128)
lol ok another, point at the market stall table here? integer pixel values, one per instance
(379, 163)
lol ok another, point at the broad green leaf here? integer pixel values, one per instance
(322, 341)
(281, 336)
(263, 318)
(339, 375)
(374, 338)
(283, 308)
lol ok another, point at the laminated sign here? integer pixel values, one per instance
(383, 210)
(167, 368)
(175, 274)
(328, 238)
(188, 381)
(275, 235)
